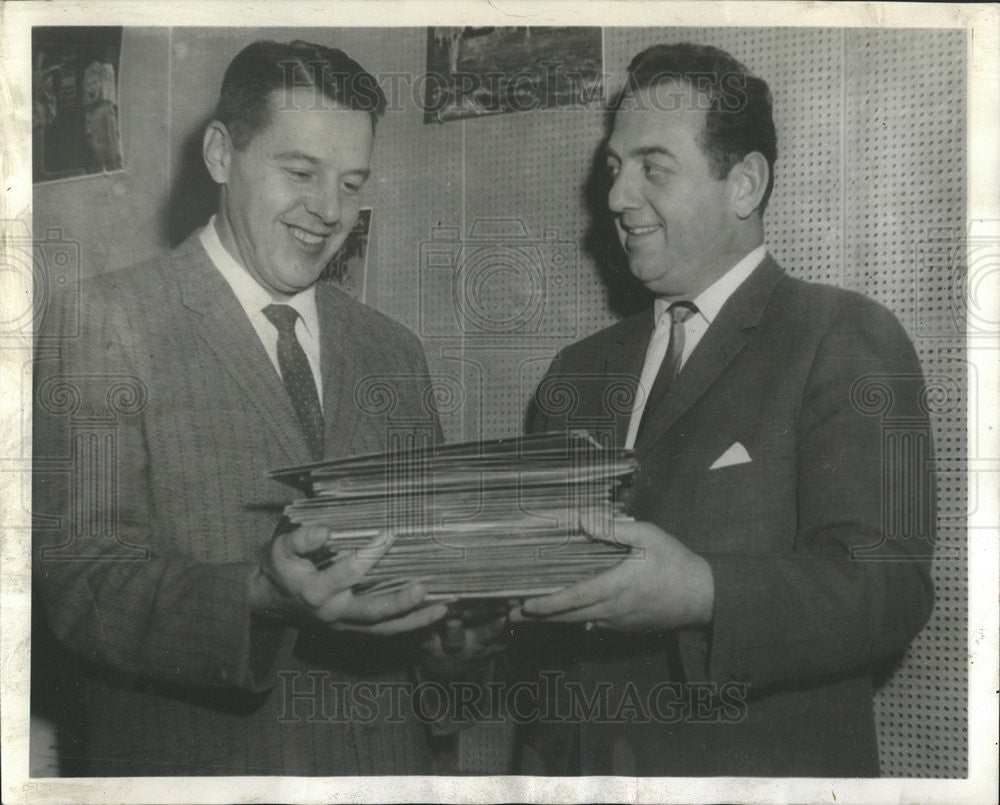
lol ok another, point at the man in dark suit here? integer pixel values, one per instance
(771, 575)
(207, 646)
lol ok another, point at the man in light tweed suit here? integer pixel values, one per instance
(204, 644)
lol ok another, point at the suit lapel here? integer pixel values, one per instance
(227, 331)
(725, 338)
(630, 346)
(341, 354)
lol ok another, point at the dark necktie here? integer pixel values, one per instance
(297, 376)
(679, 313)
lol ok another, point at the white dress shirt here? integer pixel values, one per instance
(253, 297)
(709, 302)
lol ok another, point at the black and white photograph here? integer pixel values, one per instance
(348, 268)
(643, 449)
(487, 70)
(74, 101)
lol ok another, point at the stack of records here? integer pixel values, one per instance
(496, 519)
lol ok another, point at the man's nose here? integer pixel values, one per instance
(623, 194)
(325, 204)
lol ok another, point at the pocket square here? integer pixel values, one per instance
(736, 454)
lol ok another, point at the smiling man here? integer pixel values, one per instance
(770, 576)
(207, 645)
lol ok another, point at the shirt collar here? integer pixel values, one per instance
(252, 296)
(710, 301)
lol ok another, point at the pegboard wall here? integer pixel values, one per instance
(870, 194)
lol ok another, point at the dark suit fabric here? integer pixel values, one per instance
(787, 369)
(152, 595)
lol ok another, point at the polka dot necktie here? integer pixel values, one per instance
(297, 376)
(679, 312)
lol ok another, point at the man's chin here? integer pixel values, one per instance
(646, 273)
(302, 279)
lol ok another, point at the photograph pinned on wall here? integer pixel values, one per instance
(348, 268)
(486, 71)
(74, 101)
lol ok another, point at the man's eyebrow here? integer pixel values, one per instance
(652, 151)
(642, 151)
(299, 155)
(302, 156)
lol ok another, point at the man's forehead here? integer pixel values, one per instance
(295, 118)
(659, 114)
(305, 118)
(304, 97)
(665, 95)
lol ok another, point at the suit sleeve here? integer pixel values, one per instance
(537, 420)
(855, 584)
(111, 591)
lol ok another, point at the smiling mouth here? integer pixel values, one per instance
(640, 230)
(306, 237)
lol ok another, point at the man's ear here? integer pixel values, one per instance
(217, 150)
(748, 183)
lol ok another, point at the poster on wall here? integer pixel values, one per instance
(74, 101)
(348, 268)
(485, 71)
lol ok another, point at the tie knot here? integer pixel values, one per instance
(283, 317)
(680, 312)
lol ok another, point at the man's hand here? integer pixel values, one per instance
(662, 586)
(287, 582)
(463, 642)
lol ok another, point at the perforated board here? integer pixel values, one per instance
(905, 130)
(870, 183)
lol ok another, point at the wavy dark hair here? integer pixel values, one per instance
(263, 67)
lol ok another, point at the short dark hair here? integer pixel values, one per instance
(738, 117)
(262, 67)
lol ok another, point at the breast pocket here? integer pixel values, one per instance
(748, 506)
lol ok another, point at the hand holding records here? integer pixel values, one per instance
(477, 520)
(671, 587)
(289, 583)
